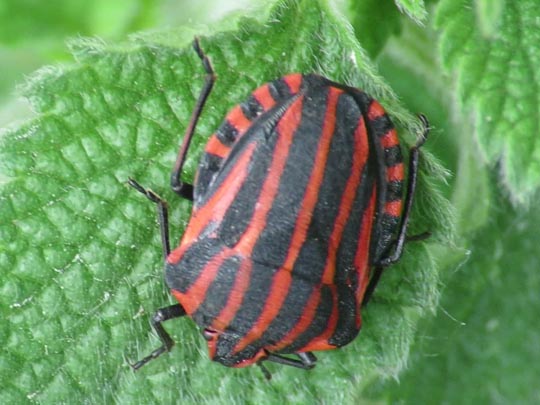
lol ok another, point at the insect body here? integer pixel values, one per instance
(298, 197)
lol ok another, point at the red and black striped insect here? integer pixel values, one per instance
(297, 209)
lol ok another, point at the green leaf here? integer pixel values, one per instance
(474, 350)
(15, 64)
(413, 8)
(80, 251)
(483, 345)
(488, 16)
(409, 63)
(495, 64)
(374, 21)
(34, 21)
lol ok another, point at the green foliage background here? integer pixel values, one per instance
(455, 321)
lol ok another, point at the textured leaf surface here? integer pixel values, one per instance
(496, 64)
(79, 251)
(483, 345)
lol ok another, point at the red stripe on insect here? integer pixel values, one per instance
(375, 110)
(294, 81)
(278, 292)
(361, 259)
(286, 129)
(238, 120)
(393, 208)
(360, 155)
(260, 355)
(321, 341)
(314, 183)
(308, 314)
(196, 294)
(390, 139)
(282, 280)
(263, 96)
(395, 173)
(215, 208)
(237, 294)
(216, 147)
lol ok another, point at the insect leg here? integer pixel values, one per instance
(179, 187)
(163, 215)
(377, 272)
(306, 360)
(373, 281)
(414, 153)
(418, 237)
(161, 315)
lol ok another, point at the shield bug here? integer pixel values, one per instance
(297, 209)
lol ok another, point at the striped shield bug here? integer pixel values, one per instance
(297, 209)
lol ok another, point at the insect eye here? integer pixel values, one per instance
(209, 334)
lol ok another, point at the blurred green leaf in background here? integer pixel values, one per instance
(33, 33)
(112, 89)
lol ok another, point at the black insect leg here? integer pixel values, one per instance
(373, 281)
(306, 360)
(418, 237)
(264, 370)
(162, 315)
(179, 187)
(394, 256)
(163, 215)
(174, 311)
(184, 190)
(414, 153)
